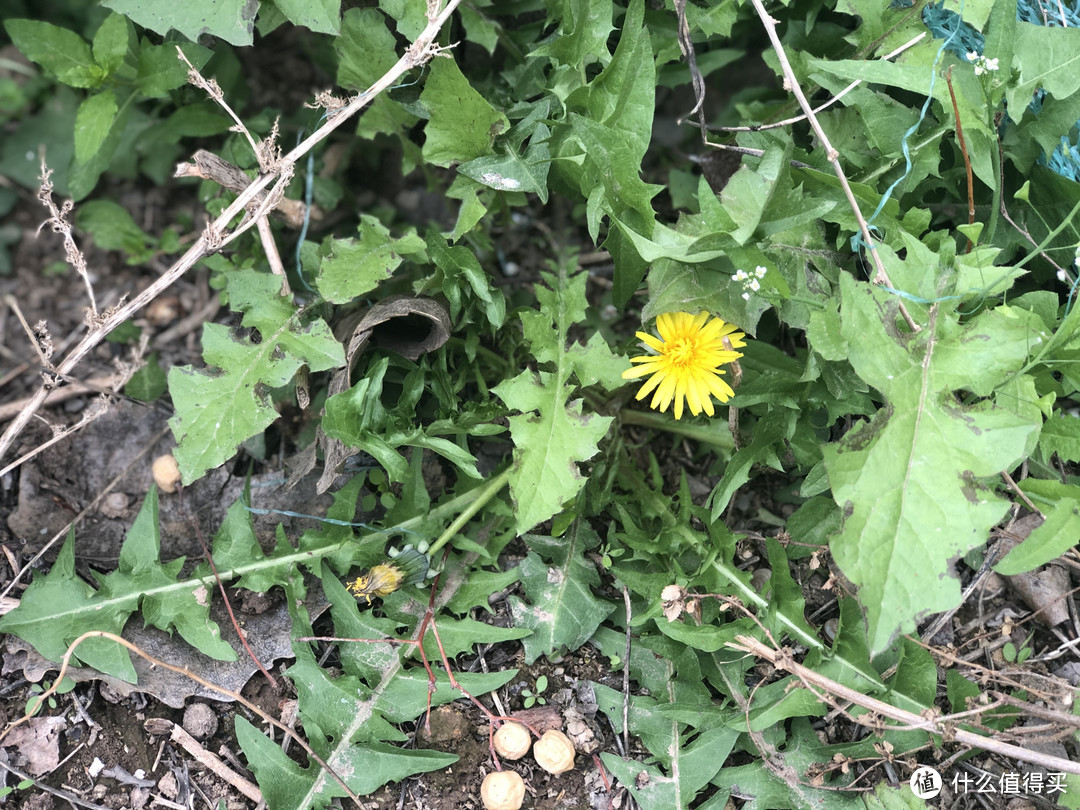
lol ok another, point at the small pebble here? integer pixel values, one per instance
(200, 721)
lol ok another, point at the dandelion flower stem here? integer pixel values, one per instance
(718, 438)
(484, 493)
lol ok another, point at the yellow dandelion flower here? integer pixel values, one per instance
(685, 362)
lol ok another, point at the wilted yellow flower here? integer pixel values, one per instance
(685, 362)
(407, 568)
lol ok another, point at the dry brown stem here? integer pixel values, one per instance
(927, 721)
(236, 696)
(421, 51)
(791, 83)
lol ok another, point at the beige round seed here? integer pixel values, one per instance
(166, 473)
(554, 752)
(502, 790)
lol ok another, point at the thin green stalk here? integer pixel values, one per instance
(482, 495)
(1050, 237)
(720, 439)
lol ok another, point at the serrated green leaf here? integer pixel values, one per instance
(231, 20)
(57, 608)
(909, 481)
(353, 267)
(164, 605)
(552, 435)
(549, 442)
(217, 410)
(62, 53)
(582, 35)
(562, 612)
(462, 125)
(512, 171)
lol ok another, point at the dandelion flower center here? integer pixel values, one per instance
(684, 362)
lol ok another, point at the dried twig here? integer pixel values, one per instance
(791, 83)
(825, 105)
(927, 722)
(159, 725)
(58, 220)
(229, 693)
(420, 52)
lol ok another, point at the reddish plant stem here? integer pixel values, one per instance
(225, 597)
(964, 152)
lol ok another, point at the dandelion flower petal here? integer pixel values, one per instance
(683, 364)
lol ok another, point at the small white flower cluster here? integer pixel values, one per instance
(751, 283)
(982, 64)
(1063, 274)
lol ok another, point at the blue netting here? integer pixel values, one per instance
(963, 39)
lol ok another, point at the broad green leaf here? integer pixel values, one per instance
(748, 192)
(1052, 538)
(478, 589)
(552, 436)
(1000, 38)
(218, 409)
(1061, 435)
(113, 228)
(321, 16)
(114, 38)
(352, 267)
(161, 69)
(411, 16)
(92, 123)
(62, 53)
(365, 49)
(561, 611)
(462, 125)
(1048, 58)
(909, 480)
(231, 20)
(149, 382)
